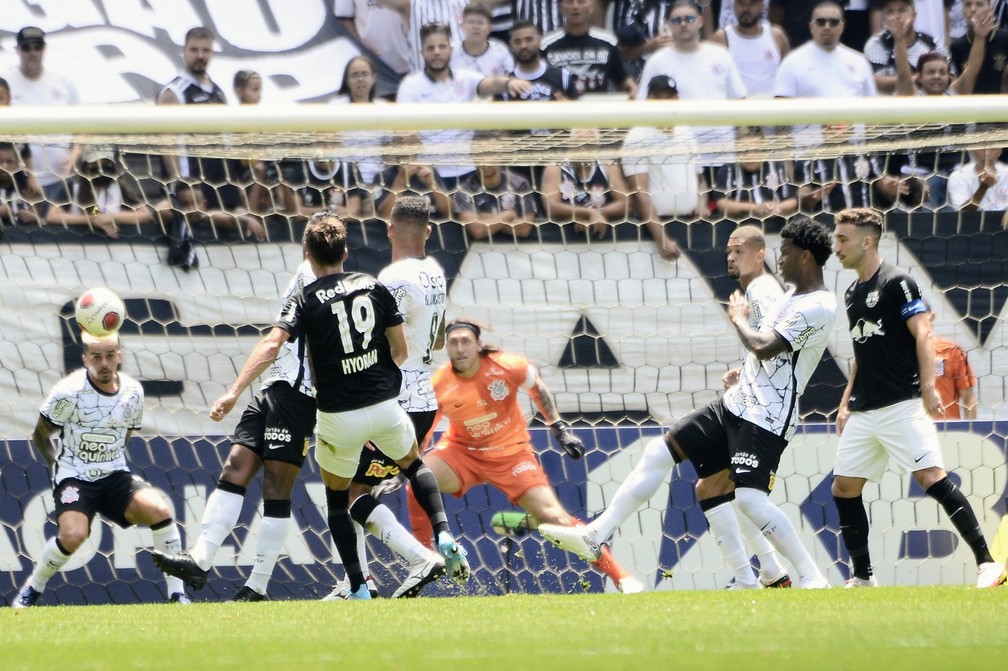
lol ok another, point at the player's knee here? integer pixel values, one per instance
(844, 488)
(708, 488)
(72, 538)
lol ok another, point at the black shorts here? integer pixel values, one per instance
(714, 440)
(109, 496)
(278, 424)
(374, 466)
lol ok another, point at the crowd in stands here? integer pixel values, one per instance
(447, 51)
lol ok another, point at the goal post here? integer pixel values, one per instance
(626, 340)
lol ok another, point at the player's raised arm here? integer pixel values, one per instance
(265, 353)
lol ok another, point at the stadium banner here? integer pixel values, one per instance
(118, 51)
(666, 544)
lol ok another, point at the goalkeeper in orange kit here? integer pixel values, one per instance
(487, 440)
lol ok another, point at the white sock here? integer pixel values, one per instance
(272, 535)
(219, 519)
(724, 525)
(49, 564)
(642, 483)
(775, 525)
(770, 566)
(167, 540)
(383, 524)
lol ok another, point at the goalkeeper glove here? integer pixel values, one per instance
(571, 444)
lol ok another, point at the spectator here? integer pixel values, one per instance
(980, 184)
(757, 189)
(701, 71)
(589, 193)
(32, 84)
(437, 83)
(728, 14)
(858, 22)
(418, 14)
(495, 199)
(219, 179)
(20, 192)
(543, 13)
(824, 68)
(379, 28)
(756, 46)
(548, 82)
(664, 184)
(478, 51)
(412, 179)
(359, 86)
(97, 198)
(795, 17)
(899, 16)
(954, 380)
(980, 21)
(831, 185)
(330, 185)
(590, 53)
(641, 28)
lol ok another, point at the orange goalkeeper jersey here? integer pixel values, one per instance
(953, 374)
(483, 411)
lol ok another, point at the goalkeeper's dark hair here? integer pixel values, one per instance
(325, 238)
(810, 235)
(475, 328)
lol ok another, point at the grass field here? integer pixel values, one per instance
(886, 628)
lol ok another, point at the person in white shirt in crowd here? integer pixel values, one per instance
(438, 83)
(981, 184)
(31, 83)
(756, 46)
(702, 71)
(380, 29)
(664, 184)
(478, 51)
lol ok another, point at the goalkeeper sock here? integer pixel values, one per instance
(168, 541)
(422, 529)
(854, 531)
(220, 516)
(606, 563)
(276, 523)
(642, 483)
(54, 557)
(962, 516)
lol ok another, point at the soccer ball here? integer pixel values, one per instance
(100, 312)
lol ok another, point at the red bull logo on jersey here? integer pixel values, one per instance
(865, 329)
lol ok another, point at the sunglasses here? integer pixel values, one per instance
(679, 20)
(831, 22)
(32, 46)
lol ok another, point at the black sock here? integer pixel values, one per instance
(959, 511)
(344, 535)
(428, 495)
(854, 531)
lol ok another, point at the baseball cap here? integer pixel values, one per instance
(30, 34)
(662, 82)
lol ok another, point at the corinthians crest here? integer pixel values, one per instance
(498, 390)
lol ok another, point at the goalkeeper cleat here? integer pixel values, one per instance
(180, 598)
(511, 522)
(991, 574)
(26, 597)
(181, 566)
(422, 573)
(579, 540)
(246, 593)
(454, 555)
(854, 582)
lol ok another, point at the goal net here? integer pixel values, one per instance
(627, 340)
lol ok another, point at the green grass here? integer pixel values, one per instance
(888, 628)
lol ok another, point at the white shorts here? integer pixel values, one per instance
(341, 436)
(901, 433)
